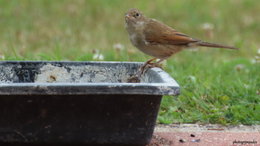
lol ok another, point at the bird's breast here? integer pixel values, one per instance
(137, 39)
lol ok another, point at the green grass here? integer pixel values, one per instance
(217, 86)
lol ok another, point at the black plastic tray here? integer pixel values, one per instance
(79, 102)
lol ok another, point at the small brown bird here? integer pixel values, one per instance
(157, 39)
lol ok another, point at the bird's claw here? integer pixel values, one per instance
(147, 65)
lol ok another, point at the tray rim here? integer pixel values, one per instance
(168, 86)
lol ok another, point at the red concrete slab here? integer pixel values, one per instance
(215, 135)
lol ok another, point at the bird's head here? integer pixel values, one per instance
(133, 16)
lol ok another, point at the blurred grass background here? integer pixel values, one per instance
(218, 86)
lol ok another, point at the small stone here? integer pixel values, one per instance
(195, 140)
(181, 140)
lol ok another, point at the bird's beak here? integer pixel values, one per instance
(127, 16)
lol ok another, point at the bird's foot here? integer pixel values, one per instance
(151, 65)
(147, 65)
(136, 77)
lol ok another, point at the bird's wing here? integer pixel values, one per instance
(159, 33)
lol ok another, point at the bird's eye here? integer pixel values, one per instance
(137, 14)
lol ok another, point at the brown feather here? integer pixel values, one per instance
(206, 44)
(157, 34)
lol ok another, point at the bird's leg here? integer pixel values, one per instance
(136, 77)
(156, 64)
(148, 64)
(142, 68)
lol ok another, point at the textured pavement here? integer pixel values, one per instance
(205, 135)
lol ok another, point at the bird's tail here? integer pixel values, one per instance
(206, 44)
